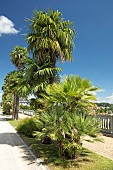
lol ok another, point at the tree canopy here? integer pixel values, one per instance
(50, 38)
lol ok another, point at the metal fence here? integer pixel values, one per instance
(106, 123)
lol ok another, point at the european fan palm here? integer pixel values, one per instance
(66, 130)
(73, 93)
(50, 38)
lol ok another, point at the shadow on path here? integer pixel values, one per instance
(13, 140)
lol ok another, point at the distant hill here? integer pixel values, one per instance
(104, 108)
(104, 104)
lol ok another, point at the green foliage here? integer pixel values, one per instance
(38, 74)
(73, 93)
(104, 108)
(18, 56)
(16, 85)
(49, 32)
(50, 39)
(7, 103)
(67, 129)
(66, 119)
(27, 126)
(7, 97)
(24, 107)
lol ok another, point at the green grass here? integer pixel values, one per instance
(14, 123)
(48, 153)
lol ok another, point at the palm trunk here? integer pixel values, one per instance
(14, 101)
(15, 106)
(53, 64)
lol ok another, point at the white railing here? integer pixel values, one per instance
(27, 112)
(106, 123)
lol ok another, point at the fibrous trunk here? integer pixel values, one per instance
(15, 106)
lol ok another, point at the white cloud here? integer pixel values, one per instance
(110, 98)
(101, 100)
(7, 26)
(107, 99)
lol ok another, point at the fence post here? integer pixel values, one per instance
(111, 124)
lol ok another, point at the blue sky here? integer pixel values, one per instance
(93, 52)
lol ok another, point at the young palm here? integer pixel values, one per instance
(74, 93)
(66, 130)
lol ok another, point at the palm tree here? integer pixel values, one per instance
(50, 38)
(73, 93)
(16, 84)
(38, 79)
(18, 58)
(68, 131)
(38, 76)
(66, 118)
(7, 96)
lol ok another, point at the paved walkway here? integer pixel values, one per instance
(104, 148)
(14, 153)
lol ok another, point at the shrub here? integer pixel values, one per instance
(7, 108)
(24, 107)
(67, 129)
(27, 126)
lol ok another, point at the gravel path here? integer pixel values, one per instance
(14, 153)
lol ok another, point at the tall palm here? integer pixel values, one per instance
(18, 58)
(16, 84)
(50, 38)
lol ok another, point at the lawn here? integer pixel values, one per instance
(48, 153)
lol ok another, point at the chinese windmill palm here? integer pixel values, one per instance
(38, 76)
(15, 84)
(50, 38)
(18, 58)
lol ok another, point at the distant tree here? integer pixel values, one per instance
(18, 57)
